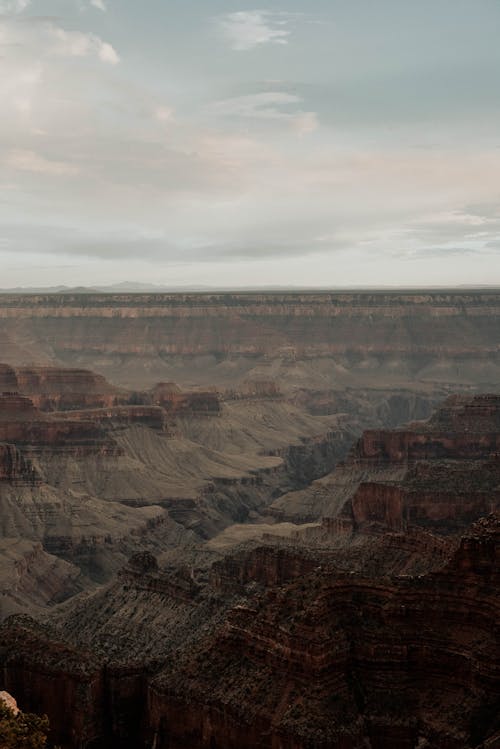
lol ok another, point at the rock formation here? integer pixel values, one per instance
(441, 473)
(319, 339)
(91, 483)
(279, 646)
(138, 614)
(9, 701)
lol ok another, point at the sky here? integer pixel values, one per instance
(302, 143)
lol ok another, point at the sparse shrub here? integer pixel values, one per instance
(22, 730)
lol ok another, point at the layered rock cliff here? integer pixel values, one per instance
(86, 482)
(373, 626)
(367, 631)
(329, 660)
(441, 473)
(322, 339)
(283, 647)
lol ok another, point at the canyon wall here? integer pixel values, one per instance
(441, 473)
(312, 648)
(333, 338)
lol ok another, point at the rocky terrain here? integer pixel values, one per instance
(375, 627)
(252, 520)
(90, 472)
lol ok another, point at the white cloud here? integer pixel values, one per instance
(13, 6)
(79, 44)
(246, 30)
(99, 4)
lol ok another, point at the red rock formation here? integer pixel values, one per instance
(334, 661)
(177, 403)
(452, 466)
(23, 425)
(52, 388)
(378, 503)
(16, 408)
(310, 654)
(9, 702)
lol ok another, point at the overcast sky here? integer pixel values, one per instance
(309, 142)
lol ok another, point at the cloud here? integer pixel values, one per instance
(246, 30)
(99, 4)
(13, 6)
(40, 38)
(80, 44)
(477, 228)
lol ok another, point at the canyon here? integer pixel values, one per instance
(320, 340)
(252, 520)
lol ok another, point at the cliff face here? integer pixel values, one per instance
(355, 648)
(452, 468)
(56, 388)
(177, 403)
(14, 467)
(319, 659)
(442, 473)
(88, 482)
(220, 338)
(60, 389)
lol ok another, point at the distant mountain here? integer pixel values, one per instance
(132, 287)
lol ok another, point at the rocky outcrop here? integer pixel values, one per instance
(8, 379)
(177, 403)
(452, 468)
(14, 467)
(442, 473)
(257, 388)
(9, 701)
(25, 426)
(62, 389)
(120, 416)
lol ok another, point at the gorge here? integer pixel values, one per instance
(252, 520)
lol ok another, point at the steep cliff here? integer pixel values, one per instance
(442, 473)
(321, 659)
(388, 644)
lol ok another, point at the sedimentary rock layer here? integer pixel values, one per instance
(351, 338)
(278, 647)
(442, 473)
